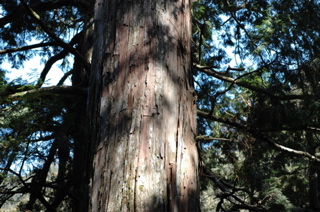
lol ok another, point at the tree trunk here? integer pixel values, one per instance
(82, 160)
(313, 175)
(143, 113)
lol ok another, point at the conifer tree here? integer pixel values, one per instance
(122, 135)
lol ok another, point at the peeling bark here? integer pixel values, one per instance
(143, 108)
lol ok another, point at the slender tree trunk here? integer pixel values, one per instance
(143, 114)
(313, 175)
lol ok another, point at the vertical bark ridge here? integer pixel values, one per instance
(144, 117)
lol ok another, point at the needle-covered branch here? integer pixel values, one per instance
(257, 134)
(38, 92)
(270, 141)
(249, 86)
(55, 37)
(208, 138)
(213, 117)
(41, 6)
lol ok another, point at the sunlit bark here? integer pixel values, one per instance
(143, 108)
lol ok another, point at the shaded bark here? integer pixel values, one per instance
(142, 107)
(82, 161)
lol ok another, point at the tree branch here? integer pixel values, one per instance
(41, 6)
(24, 48)
(212, 117)
(283, 148)
(251, 87)
(48, 66)
(257, 134)
(64, 90)
(229, 191)
(208, 138)
(247, 34)
(54, 37)
(19, 177)
(55, 58)
(65, 76)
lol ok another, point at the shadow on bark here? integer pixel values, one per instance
(143, 111)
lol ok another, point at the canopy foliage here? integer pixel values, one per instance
(256, 70)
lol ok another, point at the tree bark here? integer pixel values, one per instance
(142, 108)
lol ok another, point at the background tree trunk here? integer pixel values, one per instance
(82, 159)
(313, 174)
(143, 113)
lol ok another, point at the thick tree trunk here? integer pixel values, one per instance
(143, 118)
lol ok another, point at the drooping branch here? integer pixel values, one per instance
(261, 90)
(270, 141)
(55, 37)
(257, 134)
(37, 182)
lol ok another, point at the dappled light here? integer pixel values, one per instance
(159, 105)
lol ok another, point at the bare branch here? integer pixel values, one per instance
(65, 76)
(235, 69)
(48, 66)
(54, 59)
(313, 128)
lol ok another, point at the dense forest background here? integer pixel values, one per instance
(256, 73)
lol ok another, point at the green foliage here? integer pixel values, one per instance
(37, 133)
(263, 57)
(32, 132)
(275, 98)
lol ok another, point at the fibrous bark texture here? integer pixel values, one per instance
(143, 104)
